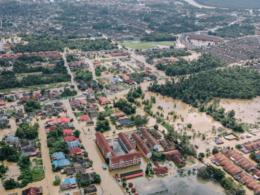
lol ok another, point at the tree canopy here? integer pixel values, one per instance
(227, 83)
(27, 131)
(182, 67)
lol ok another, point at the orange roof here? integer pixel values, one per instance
(125, 76)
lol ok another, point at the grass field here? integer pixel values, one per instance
(146, 45)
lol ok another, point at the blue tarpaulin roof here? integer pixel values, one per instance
(70, 180)
(12, 139)
(62, 162)
(104, 166)
(58, 155)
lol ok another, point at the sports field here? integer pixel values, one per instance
(146, 45)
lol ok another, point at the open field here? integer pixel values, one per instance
(146, 45)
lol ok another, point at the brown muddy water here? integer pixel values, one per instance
(201, 123)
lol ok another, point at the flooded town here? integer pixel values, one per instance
(129, 97)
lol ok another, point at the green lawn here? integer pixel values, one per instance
(146, 45)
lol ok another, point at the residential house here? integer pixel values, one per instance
(48, 106)
(75, 151)
(175, 156)
(26, 144)
(73, 144)
(15, 145)
(88, 176)
(160, 170)
(12, 139)
(70, 138)
(33, 191)
(67, 132)
(90, 190)
(124, 122)
(78, 167)
(239, 159)
(103, 100)
(29, 151)
(93, 113)
(68, 170)
(65, 186)
(58, 156)
(61, 162)
(84, 118)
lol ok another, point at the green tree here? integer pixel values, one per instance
(76, 133)
(215, 150)
(57, 181)
(97, 178)
(201, 155)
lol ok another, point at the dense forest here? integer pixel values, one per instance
(4, 63)
(158, 37)
(202, 87)
(234, 31)
(182, 67)
(52, 43)
(233, 4)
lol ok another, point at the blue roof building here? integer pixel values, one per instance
(71, 181)
(148, 79)
(62, 162)
(12, 139)
(58, 155)
(73, 144)
(125, 122)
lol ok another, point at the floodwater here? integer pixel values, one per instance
(247, 110)
(178, 185)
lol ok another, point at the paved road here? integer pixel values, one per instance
(69, 71)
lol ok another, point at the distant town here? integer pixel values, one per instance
(129, 97)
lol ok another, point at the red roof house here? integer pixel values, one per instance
(90, 90)
(33, 191)
(160, 170)
(103, 100)
(67, 132)
(84, 117)
(24, 99)
(70, 138)
(118, 114)
(2, 103)
(75, 151)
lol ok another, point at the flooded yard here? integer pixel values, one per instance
(246, 110)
